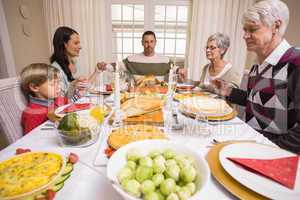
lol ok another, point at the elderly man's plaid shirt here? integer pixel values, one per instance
(272, 100)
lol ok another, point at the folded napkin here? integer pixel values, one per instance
(76, 107)
(281, 170)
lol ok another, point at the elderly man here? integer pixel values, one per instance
(272, 98)
(147, 62)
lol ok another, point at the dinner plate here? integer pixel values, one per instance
(184, 86)
(229, 183)
(253, 181)
(86, 111)
(193, 102)
(100, 90)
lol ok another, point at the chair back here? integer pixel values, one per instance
(12, 103)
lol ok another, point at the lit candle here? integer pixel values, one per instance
(117, 88)
(170, 82)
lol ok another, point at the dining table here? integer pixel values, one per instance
(90, 182)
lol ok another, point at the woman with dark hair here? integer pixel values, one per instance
(66, 43)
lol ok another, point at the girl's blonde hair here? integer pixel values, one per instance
(37, 74)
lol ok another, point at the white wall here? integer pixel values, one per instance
(26, 49)
(293, 30)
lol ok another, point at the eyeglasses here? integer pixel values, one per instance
(210, 48)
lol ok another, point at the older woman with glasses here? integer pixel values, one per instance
(272, 98)
(217, 45)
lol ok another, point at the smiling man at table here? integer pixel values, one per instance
(147, 62)
(272, 98)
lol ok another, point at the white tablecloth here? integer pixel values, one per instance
(89, 182)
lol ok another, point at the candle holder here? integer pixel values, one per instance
(119, 116)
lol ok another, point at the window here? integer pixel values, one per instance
(168, 18)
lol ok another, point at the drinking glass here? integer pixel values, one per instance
(202, 126)
(168, 118)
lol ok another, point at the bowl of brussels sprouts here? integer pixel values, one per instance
(158, 170)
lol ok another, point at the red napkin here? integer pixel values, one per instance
(281, 170)
(76, 107)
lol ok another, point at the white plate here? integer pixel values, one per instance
(255, 182)
(100, 157)
(99, 90)
(61, 108)
(184, 85)
(197, 100)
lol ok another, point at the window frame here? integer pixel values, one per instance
(149, 21)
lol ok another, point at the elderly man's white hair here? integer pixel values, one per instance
(268, 11)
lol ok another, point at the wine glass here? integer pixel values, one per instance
(202, 126)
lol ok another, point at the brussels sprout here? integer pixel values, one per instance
(190, 159)
(192, 187)
(171, 162)
(188, 174)
(177, 188)
(173, 196)
(133, 187)
(147, 186)
(159, 164)
(130, 164)
(169, 153)
(184, 193)
(159, 159)
(173, 171)
(180, 182)
(183, 162)
(134, 154)
(146, 161)
(151, 196)
(125, 173)
(155, 153)
(143, 173)
(158, 179)
(161, 196)
(168, 186)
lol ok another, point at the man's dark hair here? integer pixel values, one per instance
(148, 33)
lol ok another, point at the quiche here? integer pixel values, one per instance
(206, 105)
(28, 172)
(131, 133)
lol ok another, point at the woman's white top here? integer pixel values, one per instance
(208, 77)
(64, 82)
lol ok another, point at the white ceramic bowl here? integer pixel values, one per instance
(118, 160)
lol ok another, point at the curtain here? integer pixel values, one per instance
(209, 17)
(88, 18)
